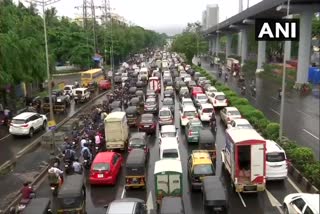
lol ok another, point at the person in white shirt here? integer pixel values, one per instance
(82, 142)
(97, 139)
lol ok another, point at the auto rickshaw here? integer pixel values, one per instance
(136, 169)
(118, 80)
(72, 195)
(140, 94)
(57, 92)
(207, 142)
(138, 141)
(46, 103)
(140, 85)
(136, 101)
(61, 104)
(214, 195)
(132, 116)
(132, 92)
(38, 206)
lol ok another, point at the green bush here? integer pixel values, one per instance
(245, 109)
(272, 131)
(262, 124)
(218, 84)
(230, 94)
(312, 172)
(239, 101)
(301, 156)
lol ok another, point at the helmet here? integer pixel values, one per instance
(55, 164)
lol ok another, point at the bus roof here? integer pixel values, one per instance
(92, 71)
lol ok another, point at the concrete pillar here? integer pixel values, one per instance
(261, 55)
(213, 47)
(218, 44)
(244, 45)
(228, 44)
(304, 47)
(239, 44)
(287, 47)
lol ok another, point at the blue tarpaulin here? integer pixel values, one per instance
(314, 75)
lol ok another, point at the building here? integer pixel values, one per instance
(212, 14)
(204, 20)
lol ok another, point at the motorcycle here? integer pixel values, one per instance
(68, 167)
(87, 163)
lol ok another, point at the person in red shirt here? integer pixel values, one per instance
(26, 191)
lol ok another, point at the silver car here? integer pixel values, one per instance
(126, 205)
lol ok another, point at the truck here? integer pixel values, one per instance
(233, 65)
(244, 158)
(116, 131)
(168, 179)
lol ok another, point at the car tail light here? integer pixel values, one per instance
(25, 125)
(215, 101)
(153, 125)
(190, 133)
(184, 117)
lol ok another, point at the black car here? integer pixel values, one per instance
(168, 102)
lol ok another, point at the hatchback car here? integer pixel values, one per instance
(127, 206)
(168, 93)
(104, 85)
(147, 124)
(169, 149)
(276, 162)
(196, 90)
(105, 168)
(27, 123)
(240, 123)
(192, 130)
(169, 103)
(210, 90)
(305, 203)
(165, 116)
(205, 112)
(186, 102)
(228, 114)
(188, 113)
(168, 131)
(151, 93)
(218, 99)
(151, 105)
(200, 99)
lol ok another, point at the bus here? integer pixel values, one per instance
(91, 76)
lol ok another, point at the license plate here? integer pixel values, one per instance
(146, 126)
(100, 175)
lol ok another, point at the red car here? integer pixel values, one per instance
(147, 124)
(104, 85)
(196, 90)
(105, 168)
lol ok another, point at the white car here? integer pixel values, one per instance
(186, 102)
(165, 116)
(200, 99)
(210, 90)
(69, 89)
(27, 123)
(218, 99)
(240, 123)
(205, 111)
(228, 114)
(187, 78)
(188, 113)
(276, 162)
(302, 203)
(166, 73)
(168, 131)
(169, 149)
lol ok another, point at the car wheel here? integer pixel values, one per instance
(44, 125)
(31, 132)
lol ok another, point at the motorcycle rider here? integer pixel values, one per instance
(83, 141)
(77, 167)
(86, 153)
(97, 142)
(27, 191)
(54, 160)
(65, 144)
(55, 175)
(69, 154)
(226, 77)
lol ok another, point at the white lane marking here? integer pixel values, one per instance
(243, 203)
(150, 202)
(123, 192)
(5, 137)
(280, 210)
(274, 111)
(274, 202)
(294, 185)
(310, 134)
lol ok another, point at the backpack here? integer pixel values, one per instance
(86, 154)
(68, 154)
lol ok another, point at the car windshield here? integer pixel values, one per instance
(165, 113)
(203, 169)
(101, 167)
(170, 153)
(136, 142)
(275, 157)
(201, 97)
(220, 97)
(207, 110)
(189, 114)
(187, 103)
(150, 102)
(79, 92)
(168, 102)
(234, 113)
(168, 134)
(67, 88)
(246, 126)
(146, 119)
(16, 121)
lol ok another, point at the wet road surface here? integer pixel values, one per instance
(262, 202)
(301, 115)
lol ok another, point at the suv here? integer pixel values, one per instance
(126, 205)
(305, 203)
(27, 123)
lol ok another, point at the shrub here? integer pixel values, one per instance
(239, 101)
(218, 84)
(312, 172)
(262, 124)
(288, 145)
(245, 110)
(272, 131)
(230, 94)
(257, 114)
(301, 156)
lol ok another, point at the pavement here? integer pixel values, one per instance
(301, 112)
(263, 202)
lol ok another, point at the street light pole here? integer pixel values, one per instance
(284, 75)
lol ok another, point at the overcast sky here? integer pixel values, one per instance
(169, 16)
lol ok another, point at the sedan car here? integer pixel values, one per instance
(240, 123)
(104, 85)
(151, 105)
(151, 93)
(168, 93)
(228, 114)
(105, 168)
(218, 99)
(186, 101)
(147, 123)
(165, 116)
(305, 203)
(191, 84)
(169, 103)
(192, 130)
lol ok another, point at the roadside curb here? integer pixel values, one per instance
(8, 164)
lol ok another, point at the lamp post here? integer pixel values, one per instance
(51, 123)
(284, 75)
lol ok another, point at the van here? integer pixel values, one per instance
(169, 148)
(276, 162)
(116, 130)
(81, 95)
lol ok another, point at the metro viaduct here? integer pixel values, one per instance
(241, 22)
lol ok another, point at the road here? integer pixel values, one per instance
(301, 115)
(265, 202)
(10, 146)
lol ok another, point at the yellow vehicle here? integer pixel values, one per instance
(91, 76)
(199, 166)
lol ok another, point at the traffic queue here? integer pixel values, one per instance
(142, 102)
